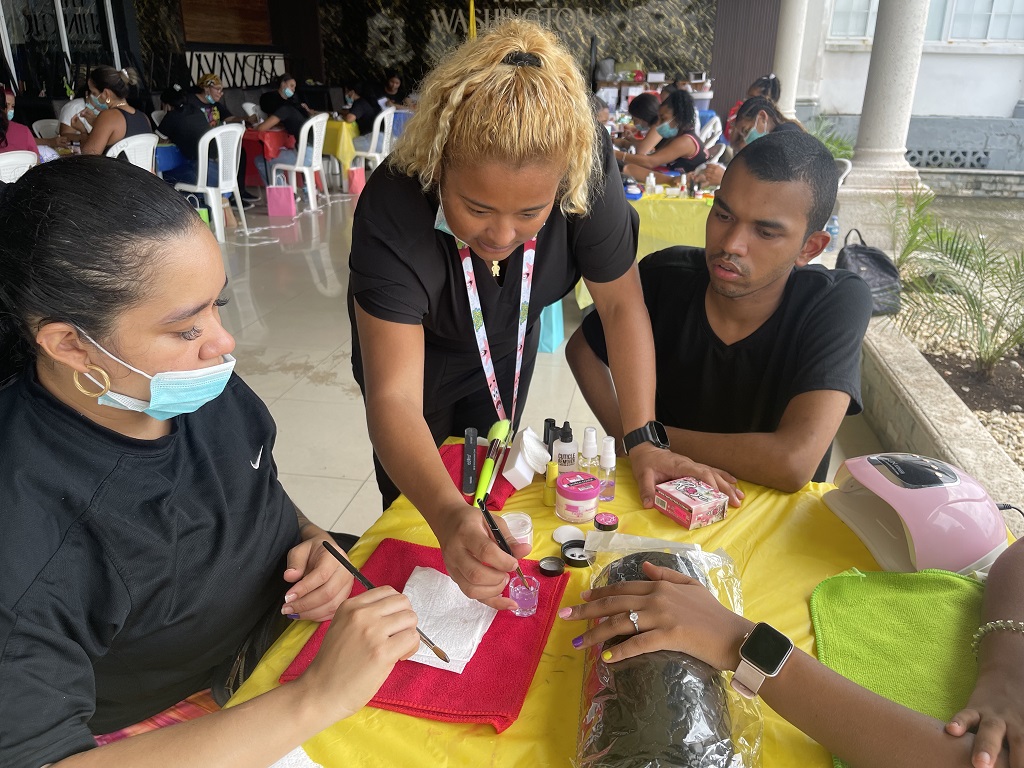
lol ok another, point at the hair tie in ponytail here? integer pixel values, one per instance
(522, 59)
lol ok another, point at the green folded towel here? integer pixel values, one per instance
(905, 636)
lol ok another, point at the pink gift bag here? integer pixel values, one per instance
(281, 201)
(356, 179)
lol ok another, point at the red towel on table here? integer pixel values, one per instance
(451, 455)
(493, 686)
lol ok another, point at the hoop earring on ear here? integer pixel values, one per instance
(103, 375)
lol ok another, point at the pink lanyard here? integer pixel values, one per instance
(529, 252)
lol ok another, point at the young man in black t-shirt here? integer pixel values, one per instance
(758, 356)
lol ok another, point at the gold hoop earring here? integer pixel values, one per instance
(103, 375)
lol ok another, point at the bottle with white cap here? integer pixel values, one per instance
(565, 450)
(588, 461)
(606, 469)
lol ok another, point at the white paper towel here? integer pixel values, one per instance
(297, 758)
(454, 622)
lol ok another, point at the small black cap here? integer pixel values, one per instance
(551, 566)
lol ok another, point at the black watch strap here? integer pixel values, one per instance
(652, 432)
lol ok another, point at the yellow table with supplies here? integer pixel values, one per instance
(664, 222)
(783, 546)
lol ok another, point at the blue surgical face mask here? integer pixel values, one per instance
(10, 115)
(210, 99)
(666, 131)
(753, 134)
(171, 393)
(441, 224)
(99, 104)
(288, 93)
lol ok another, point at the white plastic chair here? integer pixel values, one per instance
(383, 125)
(715, 153)
(46, 129)
(711, 131)
(13, 164)
(844, 167)
(158, 116)
(228, 139)
(251, 108)
(314, 131)
(140, 150)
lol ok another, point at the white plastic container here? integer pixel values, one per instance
(527, 457)
(520, 527)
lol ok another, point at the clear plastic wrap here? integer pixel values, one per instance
(664, 709)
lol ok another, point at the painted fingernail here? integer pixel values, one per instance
(607, 655)
(288, 598)
(564, 613)
(293, 615)
(577, 642)
(585, 594)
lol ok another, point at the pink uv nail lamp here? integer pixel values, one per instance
(913, 513)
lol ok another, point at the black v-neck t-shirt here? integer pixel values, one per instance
(402, 270)
(132, 568)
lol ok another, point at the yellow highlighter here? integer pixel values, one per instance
(496, 437)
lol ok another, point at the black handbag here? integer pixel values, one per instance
(876, 269)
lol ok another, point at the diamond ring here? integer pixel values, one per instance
(635, 618)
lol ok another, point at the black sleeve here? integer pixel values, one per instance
(270, 102)
(604, 241)
(47, 697)
(225, 113)
(830, 342)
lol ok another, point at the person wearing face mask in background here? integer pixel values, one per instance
(15, 136)
(501, 193)
(757, 116)
(211, 101)
(109, 90)
(283, 111)
(679, 149)
(149, 549)
(362, 109)
(639, 134)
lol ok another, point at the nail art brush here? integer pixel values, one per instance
(369, 585)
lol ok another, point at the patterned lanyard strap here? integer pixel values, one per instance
(526, 284)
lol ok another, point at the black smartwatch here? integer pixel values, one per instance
(762, 655)
(652, 432)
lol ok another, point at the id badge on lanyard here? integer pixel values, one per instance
(526, 284)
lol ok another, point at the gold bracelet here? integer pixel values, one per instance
(992, 626)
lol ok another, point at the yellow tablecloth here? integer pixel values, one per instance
(338, 141)
(664, 222)
(783, 544)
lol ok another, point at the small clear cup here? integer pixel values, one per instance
(525, 595)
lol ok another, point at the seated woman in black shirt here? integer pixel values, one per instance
(679, 149)
(109, 90)
(147, 542)
(363, 111)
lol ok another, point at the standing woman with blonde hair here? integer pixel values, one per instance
(109, 90)
(501, 194)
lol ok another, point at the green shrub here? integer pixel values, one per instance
(840, 145)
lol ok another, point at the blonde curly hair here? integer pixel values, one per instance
(474, 108)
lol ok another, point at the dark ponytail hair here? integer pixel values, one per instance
(755, 104)
(80, 238)
(767, 86)
(681, 104)
(121, 82)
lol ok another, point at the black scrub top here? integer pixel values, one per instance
(404, 271)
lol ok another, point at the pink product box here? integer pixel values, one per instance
(690, 502)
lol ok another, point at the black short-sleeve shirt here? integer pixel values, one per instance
(405, 271)
(131, 569)
(184, 127)
(365, 112)
(811, 342)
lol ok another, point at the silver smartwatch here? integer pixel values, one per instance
(762, 655)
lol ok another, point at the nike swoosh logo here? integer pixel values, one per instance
(259, 456)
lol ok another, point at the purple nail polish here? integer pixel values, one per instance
(293, 615)
(577, 642)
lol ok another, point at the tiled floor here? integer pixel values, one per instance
(287, 312)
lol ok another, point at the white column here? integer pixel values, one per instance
(789, 41)
(889, 94)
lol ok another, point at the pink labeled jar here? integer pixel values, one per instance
(576, 497)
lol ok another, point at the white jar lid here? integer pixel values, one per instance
(565, 533)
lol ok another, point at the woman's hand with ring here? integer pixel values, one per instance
(673, 612)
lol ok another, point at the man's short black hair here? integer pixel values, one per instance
(796, 156)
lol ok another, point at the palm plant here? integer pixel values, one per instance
(972, 289)
(911, 222)
(840, 145)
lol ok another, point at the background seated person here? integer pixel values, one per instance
(211, 101)
(109, 89)
(272, 101)
(363, 111)
(756, 117)
(72, 124)
(675, 612)
(15, 136)
(287, 114)
(767, 86)
(758, 357)
(394, 93)
(679, 149)
(644, 110)
(148, 544)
